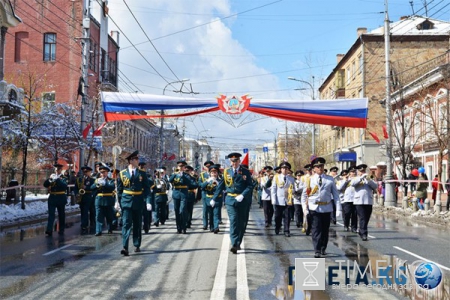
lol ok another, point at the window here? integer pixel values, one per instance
(417, 132)
(48, 100)
(49, 46)
(21, 49)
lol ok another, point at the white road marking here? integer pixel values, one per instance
(56, 250)
(371, 236)
(422, 258)
(220, 282)
(242, 292)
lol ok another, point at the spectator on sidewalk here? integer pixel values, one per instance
(421, 192)
(435, 185)
(447, 187)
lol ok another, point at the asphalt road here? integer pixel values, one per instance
(199, 265)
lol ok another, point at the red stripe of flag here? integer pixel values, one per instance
(86, 130)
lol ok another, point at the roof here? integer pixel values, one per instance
(415, 25)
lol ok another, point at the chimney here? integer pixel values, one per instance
(403, 18)
(115, 36)
(339, 57)
(361, 30)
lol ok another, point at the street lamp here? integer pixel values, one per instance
(200, 148)
(313, 141)
(276, 147)
(161, 140)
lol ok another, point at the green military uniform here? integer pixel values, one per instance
(159, 188)
(238, 184)
(104, 202)
(57, 199)
(182, 182)
(134, 192)
(85, 201)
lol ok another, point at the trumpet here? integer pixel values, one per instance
(101, 182)
(54, 177)
(81, 192)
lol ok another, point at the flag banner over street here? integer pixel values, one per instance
(336, 112)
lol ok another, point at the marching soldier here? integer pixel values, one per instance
(248, 201)
(213, 207)
(201, 179)
(57, 199)
(317, 195)
(306, 216)
(160, 187)
(334, 173)
(363, 199)
(147, 215)
(282, 191)
(191, 196)
(97, 165)
(84, 197)
(104, 200)
(298, 190)
(238, 184)
(266, 183)
(133, 188)
(346, 194)
(181, 182)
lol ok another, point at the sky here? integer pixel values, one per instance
(237, 47)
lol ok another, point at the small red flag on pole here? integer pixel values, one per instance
(385, 133)
(375, 137)
(98, 131)
(86, 130)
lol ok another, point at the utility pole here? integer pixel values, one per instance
(389, 192)
(84, 71)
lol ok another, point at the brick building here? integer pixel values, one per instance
(48, 45)
(418, 45)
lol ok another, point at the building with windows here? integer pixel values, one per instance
(421, 123)
(418, 45)
(44, 53)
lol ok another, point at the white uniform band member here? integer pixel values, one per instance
(282, 197)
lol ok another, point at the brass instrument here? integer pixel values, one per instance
(82, 192)
(54, 177)
(100, 182)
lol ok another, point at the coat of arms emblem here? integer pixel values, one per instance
(233, 105)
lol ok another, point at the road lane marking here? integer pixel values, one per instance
(220, 282)
(422, 258)
(56, 250)
(371, 236)
(242, 292)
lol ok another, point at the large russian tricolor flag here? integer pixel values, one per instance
(335, 112)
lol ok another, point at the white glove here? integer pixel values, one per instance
(149, 207)
(117, 206)
(338, 213)
(212, 203)
(159, 186)
(54, 176)
(239, 198)
(210, 179)
(365, 180)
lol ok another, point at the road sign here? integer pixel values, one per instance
(265, 149)
(245, 150)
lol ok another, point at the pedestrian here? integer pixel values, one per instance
(201, 179)
(346, 194)
(266, 183)
(160, 188)
(282, 197)
(238, 184)
(435, 185)
(104, 200)
(147, 216)
(447, 187)
(298, 190)
(181, 182)
(133, 188)
(209, 187)
(422, 188)
(85, 197)
(363, 198)
(319, 191)
(57, 199)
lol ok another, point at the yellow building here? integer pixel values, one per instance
(417, 45)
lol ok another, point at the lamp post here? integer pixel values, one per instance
(161, 140)
(275, 146)
(313, 139)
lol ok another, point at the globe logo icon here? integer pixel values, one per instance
(428, 275)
